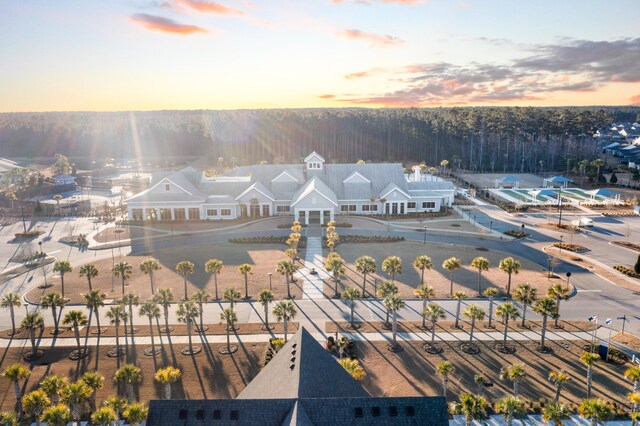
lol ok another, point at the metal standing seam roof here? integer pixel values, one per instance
(558, 179)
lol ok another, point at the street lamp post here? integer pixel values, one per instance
(44, 271)
(561, 241)
(568, 278)
(549, 262)
(425, 235)
(269, 280)
(490, 226)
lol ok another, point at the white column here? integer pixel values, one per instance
(331, 217)
(321, 217)
(306, 217)
(157, 214)
(296, 215)
(173, 216)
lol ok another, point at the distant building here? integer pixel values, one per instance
(314, 192)
(302, 385)
(64, 180)
(7, 165)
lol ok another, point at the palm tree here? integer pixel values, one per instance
(166, 376)
(424, 292)
(287, 268)
(53, 300)
(473, 407)
(556, 413)
(433, 312)
(459, 296)
(589, 359)
(130, 300)
(75, 319)
(392, 265)
(545, 307)
(231, 295)
(365, 265)
(634, 399)
(394, 303)
(451, 265)
(633, 374)
(35, 403)
(507, 311)
(53, 386)
(94, 300)
(122, 270)
(95, 381)
(75, 396)
(136, 413)
(152, 311)
(116, 315)
(353, 367)
(89, 271)
(473, 312)
(291, 253)
(214, 266)
(510, 266)
(62, 267)
(336, 266)
(164, 297)
(149, 266)
(422, 263)
(480, 380)
(444, 370)
(58, 415)
(514, 374)
(104, 416)
(510, 407)
(201, 297)
(264, 298)
(481, 264)
(558, 292)
(229, 316)
(16, 373)
(185, 268)
(385, 290)
(558, 378)
(245, 269)
(285, 310)
(11, 301)
(117, 404)
(595, 410)
(526, 295)
(490, 292)
(188, 313)
(30, 323)
(351, 294)
(128, 374)
(58, 197)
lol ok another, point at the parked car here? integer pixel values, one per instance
(581, 223)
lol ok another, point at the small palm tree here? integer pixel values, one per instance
(385, 290)
(473, 312)
(336, 266)
(188, 314)
(506, 312)
(166, 376)
(444, 370)
(366, 265)
(152, 311)
(394, 303)
(515, 374)
(58, 415)
(30, 323)
(54, 386)
(149, 267)
(490, 293)
(459, 296)
(58, 197)
(353, 367)
(130, 300)
(473, 407)
(480, 380)
(545, 307)
(231, 295)
(634, 399)
(62, 267)
(136, 413)
(424, 292)
(392, 265)
(75, 396)
(481, 264)
(15, 374)
(558, 378)
(510, 266)
(595, 410)
(75, 319)
(94, 300)
(286, 268)
(164, 297)
(246, 270)
(185, 268)
(556, 413)
(433, 312)
(89, 271)
(589, 359)
(229, 316)
(285, 310)
(128, 374)
(11, 301)
(122, 270)
(558, 292)
(451, 265)
(95, 381)
(633, 374)
(526, 295)
(201, 297)
(214, 266)
(351, 294)
(291, 253)
(104, 416)
(510, 407)
(422, 263)
(117, 404)
(117, 315)
(264, 298)
(35, 403)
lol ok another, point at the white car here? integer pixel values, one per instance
(581, 223)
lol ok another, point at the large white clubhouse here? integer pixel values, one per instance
(313, 192)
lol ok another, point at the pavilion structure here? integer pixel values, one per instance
(508, 181)
(556, 182)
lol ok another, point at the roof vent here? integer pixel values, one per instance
(359, 412)
(295, 345)
(200, 415)
(293, 359)
(234, 415)
(183, 415)
(375, 411)
(293, 352)
(217, 414)
(292, 366)
(393, 411)
(410, 411)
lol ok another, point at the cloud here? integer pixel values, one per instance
(635, 100)
(405, 2)
(360, 74)
(205, 6)
(327, 96)
(376, 40)
(158, 23)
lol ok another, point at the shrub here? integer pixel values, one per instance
(570, 247)
(636, 268)
(627, 271)
(515, 233)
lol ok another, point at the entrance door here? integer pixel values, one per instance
(255, 210)
(314, 217)
(265, 210)
(394, 210)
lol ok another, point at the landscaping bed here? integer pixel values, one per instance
(570, 247)
(448, 326)
(627, 244)
(627, 271)
(347, 239)
(515, 233)
(267, 240)
(619, 213)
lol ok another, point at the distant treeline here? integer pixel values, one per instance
(476, 138)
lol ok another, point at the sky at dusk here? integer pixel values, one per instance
(90, 55)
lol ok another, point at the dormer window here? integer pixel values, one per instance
(314, 166)
(167, 187)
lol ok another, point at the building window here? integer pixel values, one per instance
(178, 214)
(428, 205)
(374, 207)
(212, 212)
(348, 208)
(369, 207)
(411, 205)
(283, 209)
(136, 214)
(194, 214)
(167, 187)
(352, 207)
(225, 212)
(366, 207)
(165, 214)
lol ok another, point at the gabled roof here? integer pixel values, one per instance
(285, 176)
(258, 186)
(544, 192)
(302, 368)
(356, 177)
(558, 179)
(316, 185)
(181, 181)
(390, 188)
(602, 191)
(312, 155)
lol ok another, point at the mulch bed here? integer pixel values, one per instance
(628, 245)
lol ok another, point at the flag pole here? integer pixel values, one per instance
(595, 329)
(609, 341)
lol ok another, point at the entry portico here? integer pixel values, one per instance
(314, 200)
